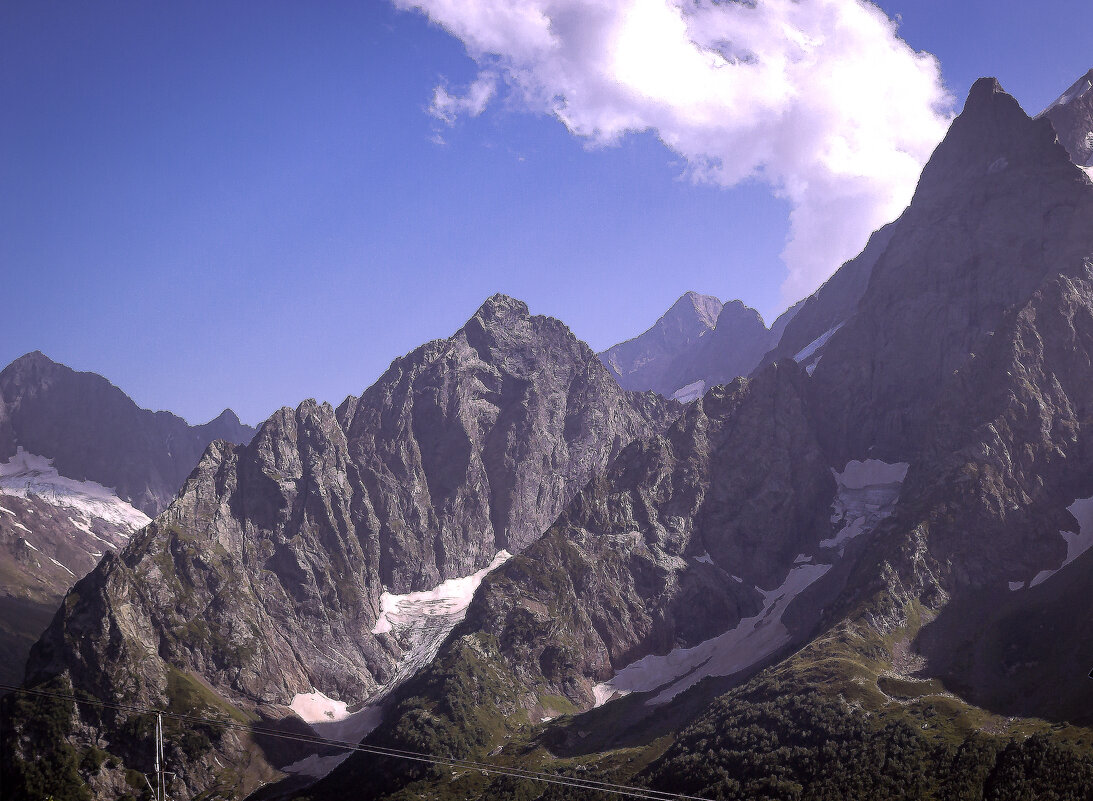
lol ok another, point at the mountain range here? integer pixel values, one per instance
(81, 468)
(854, 563)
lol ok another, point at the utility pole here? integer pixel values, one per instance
(159, 792)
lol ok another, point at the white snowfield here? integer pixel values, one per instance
(738, 648)
(813, 348)
(1077, 543)
(332, 719)
(419, 622)
(690, 392)
(27, 474)
(867, 493)
(452, 597)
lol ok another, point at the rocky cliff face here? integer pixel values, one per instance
(93, 432)
(668, 547)
(264, 578)
(998, 208)
(815, 319)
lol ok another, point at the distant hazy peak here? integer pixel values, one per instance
(703, 308)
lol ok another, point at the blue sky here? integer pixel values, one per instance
(228, 204)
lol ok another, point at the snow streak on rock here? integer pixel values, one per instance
(753, 639)
(419, 621)
(867, 493)
(1077, 542)
(810, 354)
(690, 392)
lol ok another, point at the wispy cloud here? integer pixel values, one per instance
(448, 107)
(821, 99)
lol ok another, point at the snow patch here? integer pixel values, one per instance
(1016, 585)
(65, 569)
(867, 493)
(1076, 543)
(450, 598)
(26, 542)
(751, 640)
(332, 719)
(602, 693)
(704, 559)
(1077, 90)
(314, 707)
(690, 392)
(808, 351)
(419, 622)
(27, 474)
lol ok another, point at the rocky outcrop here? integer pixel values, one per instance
(67, 440)
(643, 560)
(92, 431)
(263, 579)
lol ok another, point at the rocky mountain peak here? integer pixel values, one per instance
(698, 343)
(1072, 117)
(998, 208)
(499, 306)
(692, 315)
(992, 135)
(94, 431)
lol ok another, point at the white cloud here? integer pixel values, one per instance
(448, 107)
(819, 98)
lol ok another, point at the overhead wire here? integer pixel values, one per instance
(417, 756)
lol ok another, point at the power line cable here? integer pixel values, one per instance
(483, 767)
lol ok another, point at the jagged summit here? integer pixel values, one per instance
(998, 208)
(698, 342)
(1072, 117)
(701, 308)
(499, 304)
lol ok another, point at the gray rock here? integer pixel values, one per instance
(998, 208)
(263, 578)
